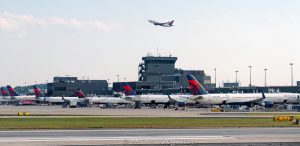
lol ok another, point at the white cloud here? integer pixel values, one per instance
(15, 22)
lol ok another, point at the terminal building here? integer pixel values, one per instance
(231, 84)
(158, 74)
(65, 86)
(256, 89)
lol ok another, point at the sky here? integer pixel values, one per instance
(100, 39)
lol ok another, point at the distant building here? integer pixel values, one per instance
(298, 83)
(231, 85)
(65, 86)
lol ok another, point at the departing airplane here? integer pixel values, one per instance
(201, 96)
(164, 24)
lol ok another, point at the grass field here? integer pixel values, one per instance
(139, 122)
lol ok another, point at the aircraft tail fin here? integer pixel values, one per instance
(127, 89)
(263, 95)
(12, 91)
(195, 87)
(79, 93)
(4, 92)
(38, 92)
(171, 23)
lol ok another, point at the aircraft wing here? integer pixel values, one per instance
(132, 98)
(178, 99)
(196, 97)
(260, 99)
(250, 101)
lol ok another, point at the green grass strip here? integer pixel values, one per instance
(135, 122)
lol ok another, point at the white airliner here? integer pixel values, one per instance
(164, 24)
(145, 99)
(53, 100)
(14, 96)
(80, 97)
(282, 98)
(270, 98)
(109, 100)
(201, 96)
(102, 100)
(5, 96)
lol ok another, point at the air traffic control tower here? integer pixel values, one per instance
(159, 74)
(153, 68)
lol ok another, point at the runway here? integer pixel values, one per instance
(150, 136)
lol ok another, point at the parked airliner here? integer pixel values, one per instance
(152, 99)
(16, 96)
(201, 96)
(102, 100)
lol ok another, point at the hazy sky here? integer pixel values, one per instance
(102, 38)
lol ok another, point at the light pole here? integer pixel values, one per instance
(215, 76)
(265, 76)
(236, 72)
(250, 74)
(108, 82)
(291, 64)
(118, 83)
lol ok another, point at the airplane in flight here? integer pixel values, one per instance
(201, 96)
(164, 24)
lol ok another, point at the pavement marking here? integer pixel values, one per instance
(132, 138)
(130, 130)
